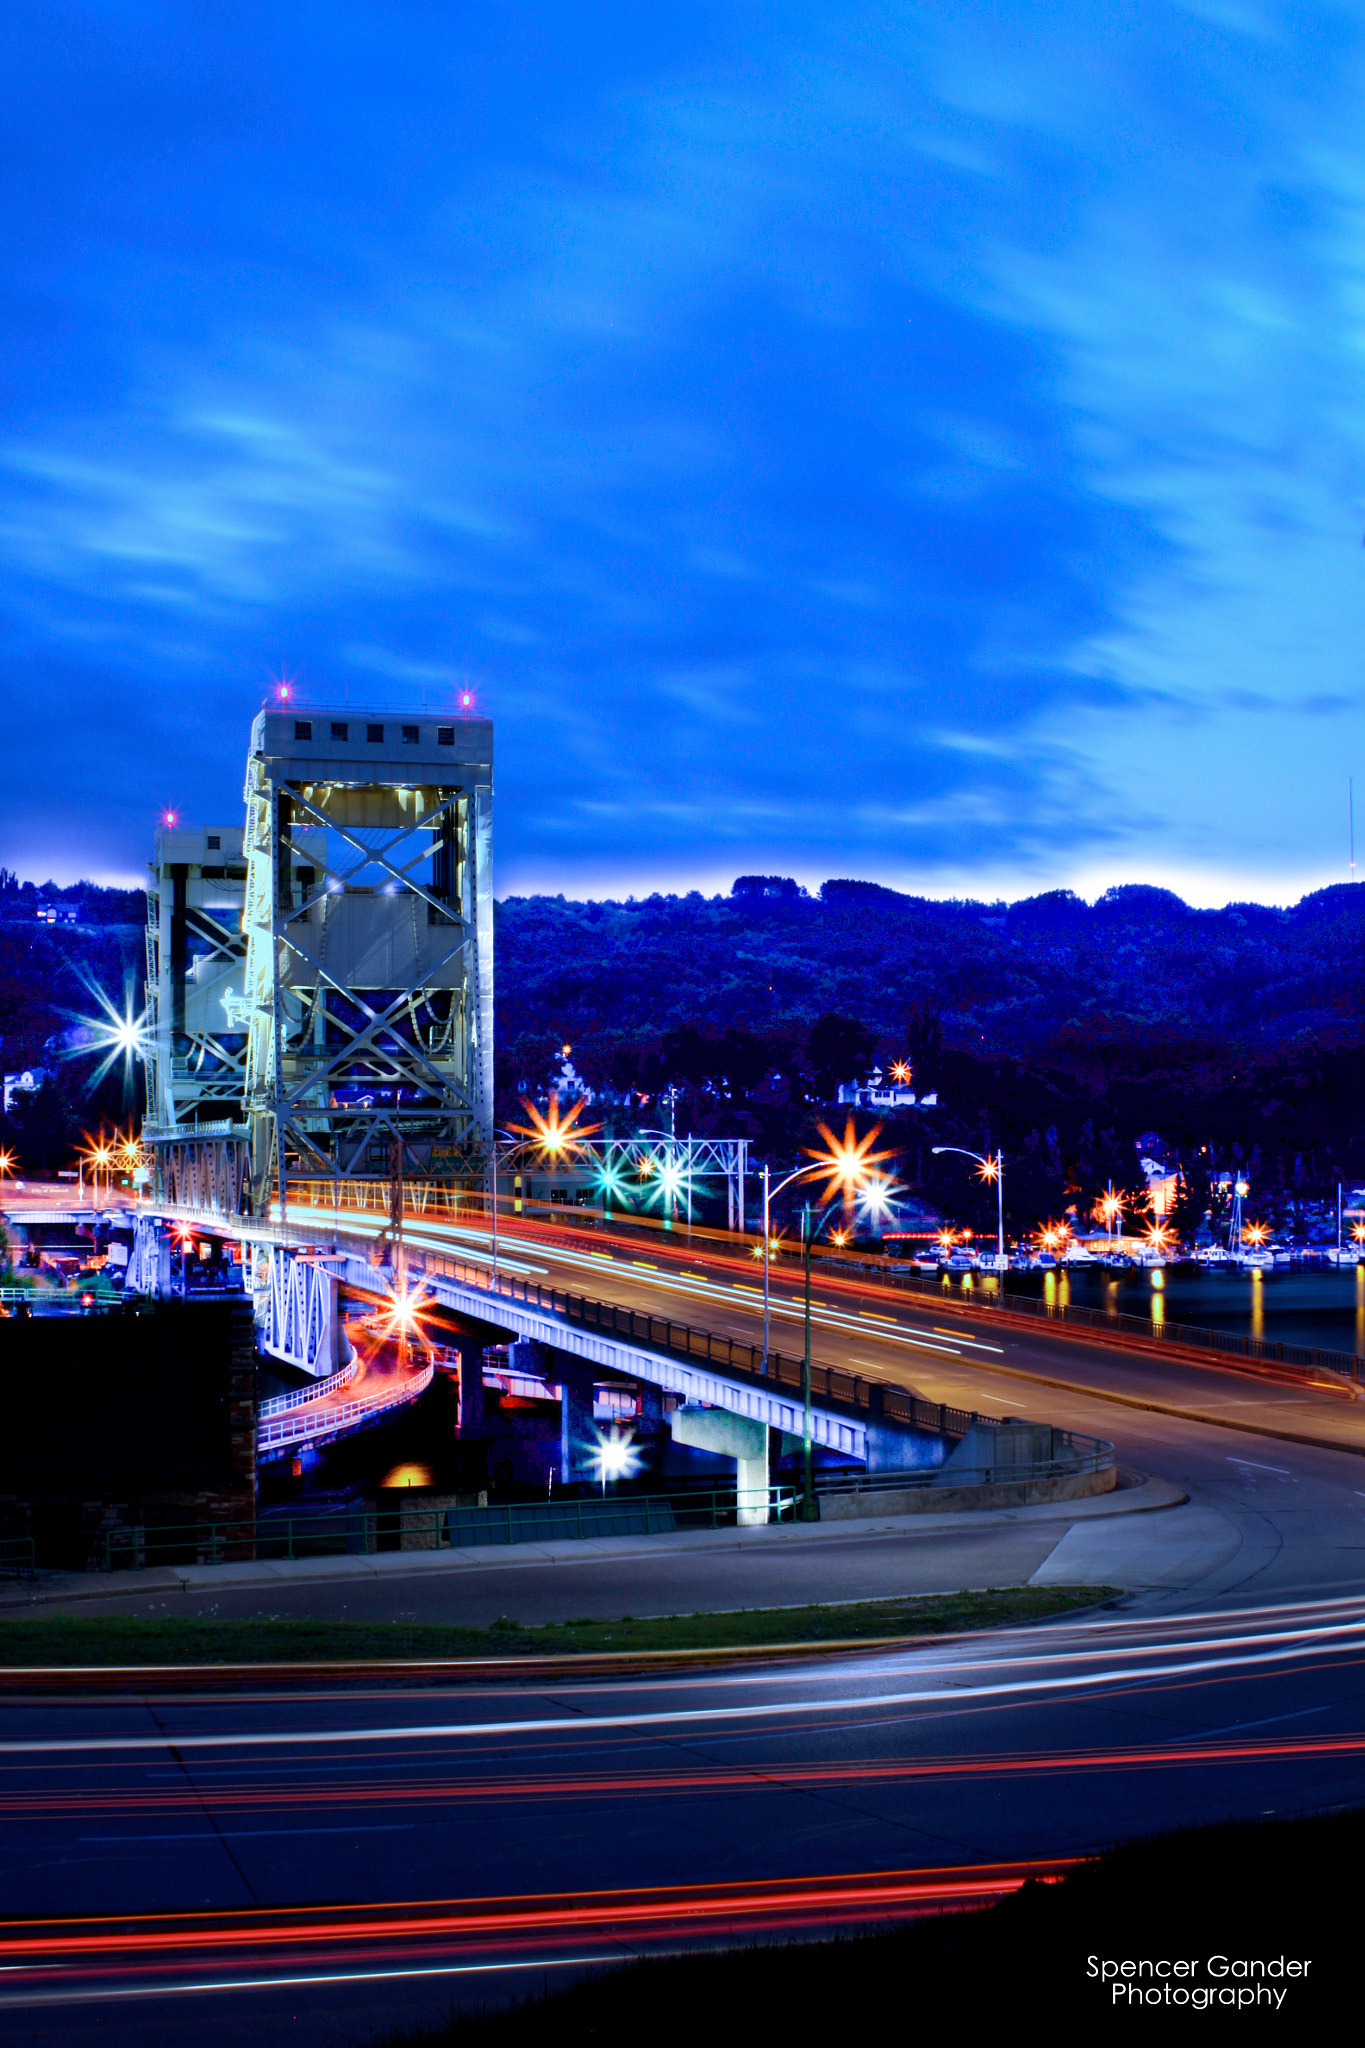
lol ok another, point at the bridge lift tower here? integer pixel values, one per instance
(321, 984)
(368, 990)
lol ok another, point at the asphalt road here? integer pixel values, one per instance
(261, 1869)
(933, 1345)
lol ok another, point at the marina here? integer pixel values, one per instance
(1320, 1306)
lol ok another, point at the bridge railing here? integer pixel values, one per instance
(17, 1555)
(320, 1390)
(295, 1427)
(408, 1526)
(1078, 1455)
(865, 1398)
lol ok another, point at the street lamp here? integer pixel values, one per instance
(992, 1168)
(846, 1169)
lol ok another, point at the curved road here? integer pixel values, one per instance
(232, 1863)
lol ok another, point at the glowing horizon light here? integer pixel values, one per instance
(901, 1071)
(846, 1166)
(170, 816)
(1255, 1233)
(988, 1169)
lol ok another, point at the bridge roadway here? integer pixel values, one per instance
(940, 1349)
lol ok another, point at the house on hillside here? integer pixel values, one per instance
(878, 1092)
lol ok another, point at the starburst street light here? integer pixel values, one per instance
(990, 1166)
(875, 1198)
(846, 1170)
(615, 1455)
(845, 1165)
(400, 1319)
(118, 1034)
(552, 1136)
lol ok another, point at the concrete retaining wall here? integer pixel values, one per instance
(938, 1499)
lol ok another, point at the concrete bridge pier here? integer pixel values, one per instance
(741, 1437)
(469, 1348)
(577, 1430)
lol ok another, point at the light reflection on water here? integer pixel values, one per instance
(1314, 1305)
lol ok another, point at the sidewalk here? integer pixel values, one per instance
(792, 1543)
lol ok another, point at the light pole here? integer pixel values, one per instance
(852, 1172)
(992, 1168)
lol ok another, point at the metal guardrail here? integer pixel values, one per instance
(321, 1390)
(296, 1427)
(17, 1555)
(846, 1390)
(1083, 1454)
(407, 1526)
(1302, 1357)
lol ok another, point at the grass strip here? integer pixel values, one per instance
(69, 1639)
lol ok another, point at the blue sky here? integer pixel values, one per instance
(915, 443)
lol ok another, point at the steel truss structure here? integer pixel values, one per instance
(210, 1170)
(651, 1166)
(195, 1043)
(369, 955)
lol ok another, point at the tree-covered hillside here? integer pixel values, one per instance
(1050, 975)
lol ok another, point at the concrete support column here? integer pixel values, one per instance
(577, 1432)
(471, 1383)
(731, 1436)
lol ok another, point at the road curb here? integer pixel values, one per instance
(1157, 1495)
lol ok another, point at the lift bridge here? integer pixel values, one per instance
(320, 982)
(320, 997)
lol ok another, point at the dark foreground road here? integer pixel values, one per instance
(303, 1867)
